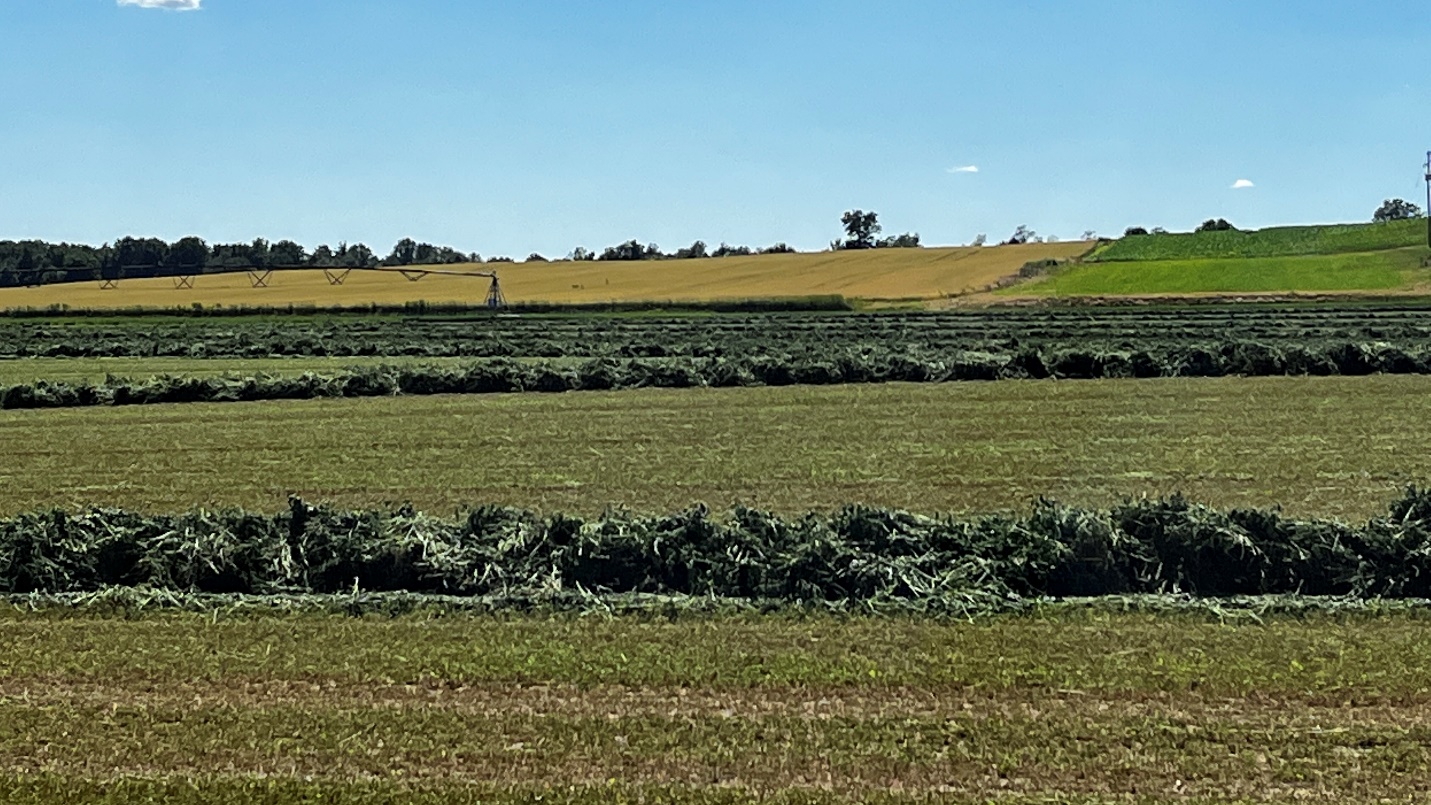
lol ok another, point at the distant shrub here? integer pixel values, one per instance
(725, 250)
(1395, 209)
(1216, 225)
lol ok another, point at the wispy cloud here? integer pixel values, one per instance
(172, 5)
(1242, 184)
(965, 169)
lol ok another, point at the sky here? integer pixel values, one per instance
(509, 128)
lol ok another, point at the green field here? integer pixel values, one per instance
(1271, 242)
(1372, 272)
(1074, 707)
(1320, 446)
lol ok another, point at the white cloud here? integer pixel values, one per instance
(172, 5)
(965, 169)
(1242, 184)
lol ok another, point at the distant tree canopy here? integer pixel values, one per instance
(1134, 231)
(1022, 235)
(1216, 225)
(34, 262)
(861, 228)
(1395, 209)
(633, 250)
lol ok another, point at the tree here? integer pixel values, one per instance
(695, 251)
(187, 253)
(1395, 209)
(1134, 231)
(779, 248)
(536, 257)
(632, 250)
(909, 240)
(356, 256)
(404, 253)
(1021, 236)
(287, 253)
(724, 250)
(258, 253)
(860, 229)
(1216, 225)
(980, 240)
(580, 254)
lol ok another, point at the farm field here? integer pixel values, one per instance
(1406, 323)
(1365, 259)
(1332, 446)
(884, 274)
(198, 707)
(1280, 241)
(1387, 271)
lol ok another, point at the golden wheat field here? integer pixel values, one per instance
(892, 274)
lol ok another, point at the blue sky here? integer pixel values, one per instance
(514, 127)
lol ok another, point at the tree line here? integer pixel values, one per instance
(37, 262)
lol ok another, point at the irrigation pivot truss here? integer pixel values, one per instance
(262, 277)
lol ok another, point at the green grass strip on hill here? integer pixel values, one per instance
(1373, 271)
(1271, 242)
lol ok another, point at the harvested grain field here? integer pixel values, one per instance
(883, 274)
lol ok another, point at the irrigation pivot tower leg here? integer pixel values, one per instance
(1428, 198)
(494, 295)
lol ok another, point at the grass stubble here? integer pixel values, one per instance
(1324, 447)
(1066, 706)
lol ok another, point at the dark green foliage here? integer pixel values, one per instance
(1395, 209)
(855, 555)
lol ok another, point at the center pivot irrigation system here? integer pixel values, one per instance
(260, 278)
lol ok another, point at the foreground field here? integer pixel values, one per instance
(872, 275)
(1337, 447)
(266, 709)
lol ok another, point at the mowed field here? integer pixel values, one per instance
(884, 274)
(1334, 446)
(1071, 708)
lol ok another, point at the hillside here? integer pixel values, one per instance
(1282, 241)
(1372, 272)
(885, 274)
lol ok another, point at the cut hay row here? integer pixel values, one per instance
(705, 336)
(832, 367)
(857, 555)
